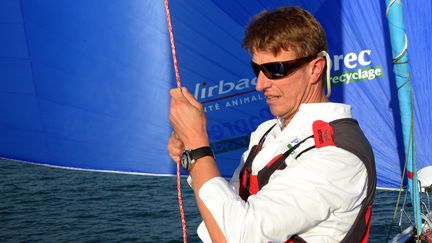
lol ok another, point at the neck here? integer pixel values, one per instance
(314, 97)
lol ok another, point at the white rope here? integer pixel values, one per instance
(405, 49)
(403, 52)
(328, 80)
(389, 5)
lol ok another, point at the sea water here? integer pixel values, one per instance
(43, 204)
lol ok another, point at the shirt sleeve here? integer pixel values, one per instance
(329, 181)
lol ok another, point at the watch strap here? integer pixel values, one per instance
(189, 157)
(201, 152)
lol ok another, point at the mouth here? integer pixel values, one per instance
(271, 98)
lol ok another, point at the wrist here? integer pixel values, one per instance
(192, 145)
(190, 156)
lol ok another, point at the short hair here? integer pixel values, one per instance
(286, 28)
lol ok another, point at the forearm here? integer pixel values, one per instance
(201, 172)
(189, 123)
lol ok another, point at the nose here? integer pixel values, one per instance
(262, 82)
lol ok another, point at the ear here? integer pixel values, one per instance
(317, 69)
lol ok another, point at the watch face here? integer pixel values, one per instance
(185, 160)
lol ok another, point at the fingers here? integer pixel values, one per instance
(188, 118)
(176, 93)
(183, 95)
(191, 99)
(175, 147)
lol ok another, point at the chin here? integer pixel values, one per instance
(276, 112)
(280, 112)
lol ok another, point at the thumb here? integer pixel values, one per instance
(191, 98)
(177, 95)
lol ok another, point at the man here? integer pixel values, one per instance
(308, 174)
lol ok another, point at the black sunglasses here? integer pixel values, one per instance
(278, 70)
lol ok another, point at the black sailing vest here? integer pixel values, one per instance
(343, 133)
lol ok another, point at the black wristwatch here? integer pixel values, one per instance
(189, 157)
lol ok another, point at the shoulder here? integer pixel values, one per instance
(331, 159)
(348, 153)
(336, 174)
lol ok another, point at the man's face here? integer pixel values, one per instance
(284, 95)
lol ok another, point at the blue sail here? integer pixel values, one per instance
(85, 84)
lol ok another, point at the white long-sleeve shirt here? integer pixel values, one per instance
(317, 196)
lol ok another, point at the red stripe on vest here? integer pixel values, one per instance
(368, 221)
(273, 160)
(244, 180)
(253, 186)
